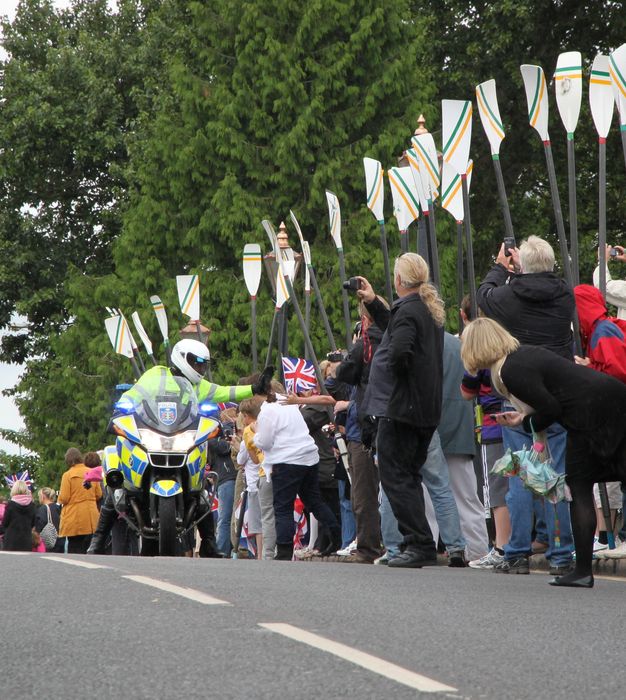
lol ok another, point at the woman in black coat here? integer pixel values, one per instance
(547, 389)
(19, 519)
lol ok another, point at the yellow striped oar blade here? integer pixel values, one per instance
(568, 87)
(374, 187)
(536, 98)
(334, 215)
(161, 315)
(189, 295)
(252, 267)
(617, 71)
(406, 204)
(414, 166)
(456, 130)
(601, 95)
(141, 331)
(281, 288)
(489, 112)
(424, 146)
(119, 335)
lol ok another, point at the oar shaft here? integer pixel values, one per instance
(270, 345)
(469, 248)
(168, 352)
(208, 374)
(307, 310)
(255, 358)
(139, 359)
(460, 292)
(606, 514)
(434, 251)
(504, 202)
(385, 249)
(344, 298)
(602, 213)
(322, 309)
(135, 367)
(404, 241)
(573, 212)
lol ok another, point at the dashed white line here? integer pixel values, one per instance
(360, 658)
(189, 593)
(75, 562)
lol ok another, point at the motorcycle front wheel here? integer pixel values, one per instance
(167, 527)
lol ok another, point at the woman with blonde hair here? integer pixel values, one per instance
(18, 520)
(404, 396)
(545, 389)
(49, 511)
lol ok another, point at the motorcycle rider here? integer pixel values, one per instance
(189, 359)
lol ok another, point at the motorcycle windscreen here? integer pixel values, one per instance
(173, 409)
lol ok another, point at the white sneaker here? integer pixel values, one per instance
(382, 560)
(488, 561)
(598, 546)
(347, 551)
(618, 553)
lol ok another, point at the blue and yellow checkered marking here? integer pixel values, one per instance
(196, 462)
(111, 458)
(207, 428)
(128, 426)
(166, 487)
(133, 461)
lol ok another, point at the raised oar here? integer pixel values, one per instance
(306, 253)
(489, 111)
(133, 342)
(119, 335)
(145, 339)
(452, 202)
(334, 214)
(406, 205)
(601, 102)
(161, 316)
(375, 191)
(189, 298)
(537, 99)
(252, 268)
(424, 238)
(568, 86)
(617, 70)
(456, 132)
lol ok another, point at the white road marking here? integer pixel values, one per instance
(360, 658)
(189, 593)
(75, 562)
(15, 553)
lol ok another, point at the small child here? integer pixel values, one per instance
(38, 543)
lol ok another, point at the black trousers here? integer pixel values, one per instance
(402, 450)
(78, 544)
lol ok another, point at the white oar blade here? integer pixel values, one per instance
(298, 229)
(189, 295)
(489, 112)
(406, 207)
(456, 130)
(451, 192)
(617, 70)
(252, 267)
(374, 187)
(536, 98)
(147, 343)
(287, 267)
(119, 335)
(568, 86)
(601, 95)
(334, 215)
(271, 234)
(161, 315)
(424, 146)
(418, 178)
(306, 251)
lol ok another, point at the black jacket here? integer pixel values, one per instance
(315, 418)
(536, 308)
(17, 526)
(415, 360)
(220, 460)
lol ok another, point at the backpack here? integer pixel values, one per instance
(49, 533)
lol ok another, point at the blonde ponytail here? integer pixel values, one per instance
(413, 272)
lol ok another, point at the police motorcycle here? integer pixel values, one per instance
(156, 469)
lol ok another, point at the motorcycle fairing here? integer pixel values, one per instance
(133, 461)
(128, 426)
(196, 462)
(166, 487)
(207, 428)
(111, 459)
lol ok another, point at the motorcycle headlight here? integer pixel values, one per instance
(155, 442)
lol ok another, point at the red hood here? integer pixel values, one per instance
(590, 306)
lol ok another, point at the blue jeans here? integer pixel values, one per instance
(348, 524)
(520, 502)
(392, 538)
(225, 496)
(436, 479)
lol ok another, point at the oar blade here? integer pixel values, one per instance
(296, 225)
(142, 333)
(189, 295)
(617, 70)
(424, 146)
(456, 129)
(271, 234)
(601, 97)
(451, 192)
(334, 215)
(536, 98)
(374, 188)
(418, 180)
(161, 316)
(282, 295)
(405, 196)
(119, 335)
(487, 100)
(568, 87)
(252, 267)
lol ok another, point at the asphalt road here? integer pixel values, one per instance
(73, 632)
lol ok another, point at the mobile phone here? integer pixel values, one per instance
(509, 242)
(614, 252)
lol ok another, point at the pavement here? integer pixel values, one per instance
(158, 628)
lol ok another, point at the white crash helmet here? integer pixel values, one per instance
(191, 357)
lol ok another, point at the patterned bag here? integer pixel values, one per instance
(49, 533)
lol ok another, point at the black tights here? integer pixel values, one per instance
(583, 516)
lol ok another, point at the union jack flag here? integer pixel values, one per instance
(20, 476)
(299, 374)
(302, 526)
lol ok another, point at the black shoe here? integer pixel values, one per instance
(411, 559)
(106, 520)
(513, 566)
(284, 552)
(456, 560)
(573, 580)
(208, 550)
(562, 570)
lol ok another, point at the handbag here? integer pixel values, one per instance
(49, 534)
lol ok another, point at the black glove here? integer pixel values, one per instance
(263, 384)
(86, 484)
